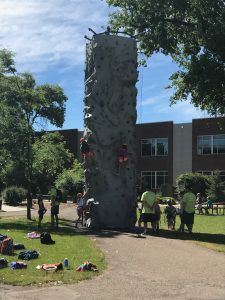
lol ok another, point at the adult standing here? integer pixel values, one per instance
(187, 209)
(148, 200)
(41, 209)
(55, 208)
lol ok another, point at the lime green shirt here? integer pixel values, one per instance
(148, 198)
(189, 201)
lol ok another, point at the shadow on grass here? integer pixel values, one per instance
(67, 227)
(197, 236)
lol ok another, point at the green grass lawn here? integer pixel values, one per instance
(208, 231)
(77, 248)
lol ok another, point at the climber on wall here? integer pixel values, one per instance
(86, 151)
(123, 157)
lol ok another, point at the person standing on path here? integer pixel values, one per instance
(55, 208)
(187, 210)
(148, 200)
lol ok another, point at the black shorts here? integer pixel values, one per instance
(55, 210)
(148, 218)
(187, 218)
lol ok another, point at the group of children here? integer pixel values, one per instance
(84, 207)
(170, 215)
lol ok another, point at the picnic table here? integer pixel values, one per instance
(219, 206)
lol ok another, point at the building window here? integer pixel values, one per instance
(211, 144)
(154, 179)
(211, 173)
(154, 147)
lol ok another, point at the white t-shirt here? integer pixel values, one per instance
(80, 202)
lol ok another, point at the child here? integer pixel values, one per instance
(86, 150)
(80, 207)
(139, 207)
(157, 215)
(123, 156)
(41, 210)
(170, 212)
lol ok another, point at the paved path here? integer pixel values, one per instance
(150, 268)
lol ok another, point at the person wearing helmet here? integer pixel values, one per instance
(123, 157)
(86, 150)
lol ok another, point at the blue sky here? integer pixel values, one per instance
(48, 39)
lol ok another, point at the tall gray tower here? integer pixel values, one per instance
(109, 122)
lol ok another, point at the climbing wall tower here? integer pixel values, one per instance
(109, 121)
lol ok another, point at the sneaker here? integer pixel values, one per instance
(144, 233)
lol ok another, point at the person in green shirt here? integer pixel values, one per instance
(187, 206)
(148, 200)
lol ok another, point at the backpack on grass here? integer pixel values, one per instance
(46, 238)
(3, 263)
(17, 265)
(6, 246)
(28, 254)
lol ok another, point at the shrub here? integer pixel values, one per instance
(216, 190)
(14, 195)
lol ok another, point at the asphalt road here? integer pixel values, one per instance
(140, 268)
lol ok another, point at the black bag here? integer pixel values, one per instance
(3, 263)
(46, 238)
(28, 254)
(18, 246)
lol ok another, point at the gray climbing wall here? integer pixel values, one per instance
(109, 121)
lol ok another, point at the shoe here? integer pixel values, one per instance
(144, 233)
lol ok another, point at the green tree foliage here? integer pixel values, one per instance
(50, 159)
(199, 183)
(71, 180)
(216, 190)
(23, 104)
(192, 32)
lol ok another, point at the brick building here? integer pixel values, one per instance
(166, 150)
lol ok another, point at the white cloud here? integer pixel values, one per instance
(157, 108)
(157, 99)
(45, 33)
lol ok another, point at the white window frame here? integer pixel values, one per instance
(166, 175)
(155, 145)
(211, 172)
(211, 144)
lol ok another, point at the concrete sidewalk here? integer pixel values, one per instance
(7, 208)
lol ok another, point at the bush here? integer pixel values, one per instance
(14, 195)
(199, 183)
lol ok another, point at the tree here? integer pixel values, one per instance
(198, 183)
(71, 180)
(192, 32)
(49, 160)
(29, 103)
(216, 190)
